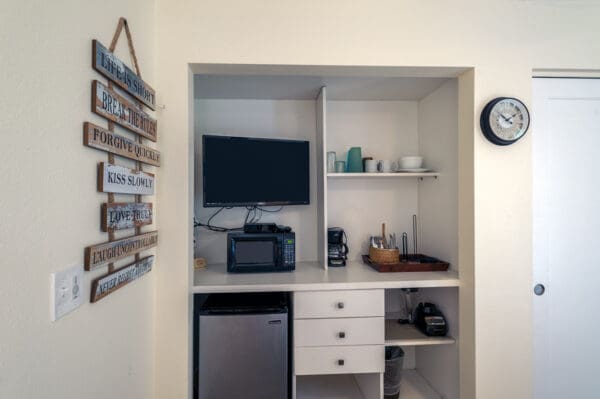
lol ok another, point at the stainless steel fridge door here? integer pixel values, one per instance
(243, 356)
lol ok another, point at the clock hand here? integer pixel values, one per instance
(505, 118)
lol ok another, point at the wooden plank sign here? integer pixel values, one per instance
(108, 284)
(96, 137)
(122, 180)
(113, 106)
(125, 215)
(97, 255)
(114, 69)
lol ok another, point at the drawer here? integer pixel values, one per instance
(339, 359)
(343, 303)
(328, 332)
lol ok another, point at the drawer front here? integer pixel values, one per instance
(339, 360)
(329, 332)
(343, 303)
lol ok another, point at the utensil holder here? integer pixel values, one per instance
(379, 255)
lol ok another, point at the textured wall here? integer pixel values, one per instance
(49, 206)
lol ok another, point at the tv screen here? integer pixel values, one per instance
(241, 171)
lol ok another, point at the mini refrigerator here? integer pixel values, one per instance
(243, 347)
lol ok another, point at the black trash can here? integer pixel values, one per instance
(394, 359)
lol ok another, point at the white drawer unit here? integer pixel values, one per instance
(345, 331)
(342, 303)
(339, 360)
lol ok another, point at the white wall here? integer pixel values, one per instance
(383, 130)
(503, 51)
(440, 364)
(288, 119)
(438, 198)
(50, 207)
(438, 227)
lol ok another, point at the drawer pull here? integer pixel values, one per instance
(342, 334)
(340, 305)
(341, 362)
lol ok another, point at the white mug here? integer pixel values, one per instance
(384, 166)
(370, 166)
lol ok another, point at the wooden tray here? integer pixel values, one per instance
(413, 264)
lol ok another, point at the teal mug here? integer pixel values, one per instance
(355, 163)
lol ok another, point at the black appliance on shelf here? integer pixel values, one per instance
(430, 320)
(337, 247)
(266, 249)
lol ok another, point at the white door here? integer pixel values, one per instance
(566, 237)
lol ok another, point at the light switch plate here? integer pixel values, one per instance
(66, 291)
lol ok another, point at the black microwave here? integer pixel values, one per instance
(261, 252)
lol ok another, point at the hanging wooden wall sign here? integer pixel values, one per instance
(96, 137)
(123, 106)
(122, 180)
(114, 69)
(113, 106)
(112, 251)
(108, 284)
(125, 215)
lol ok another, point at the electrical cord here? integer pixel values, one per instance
(255, 211)
(218, 229)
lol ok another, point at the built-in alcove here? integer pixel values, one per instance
(389, 113)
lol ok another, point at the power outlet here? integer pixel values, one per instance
(66, 291)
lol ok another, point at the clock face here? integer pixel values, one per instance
(505, 120)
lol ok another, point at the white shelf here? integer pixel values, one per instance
(377, 175)
(413, 386)
(409, 335)
(342, 386)
(311, 276)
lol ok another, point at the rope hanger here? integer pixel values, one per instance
(111, 125)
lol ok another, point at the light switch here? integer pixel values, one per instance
(66, 291)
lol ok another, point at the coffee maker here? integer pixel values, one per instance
(337, 248)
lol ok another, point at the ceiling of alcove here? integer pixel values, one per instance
(306, 87)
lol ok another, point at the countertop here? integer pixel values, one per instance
(311, 276)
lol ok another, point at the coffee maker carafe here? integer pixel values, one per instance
(337, 248)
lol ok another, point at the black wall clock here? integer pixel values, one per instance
(504, 120)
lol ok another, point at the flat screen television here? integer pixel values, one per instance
(243, 171)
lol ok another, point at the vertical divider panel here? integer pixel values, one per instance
(466, 231)
(322, 176)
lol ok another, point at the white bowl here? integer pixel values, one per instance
(411, 162)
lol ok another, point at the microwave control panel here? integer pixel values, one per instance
(289, 249)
